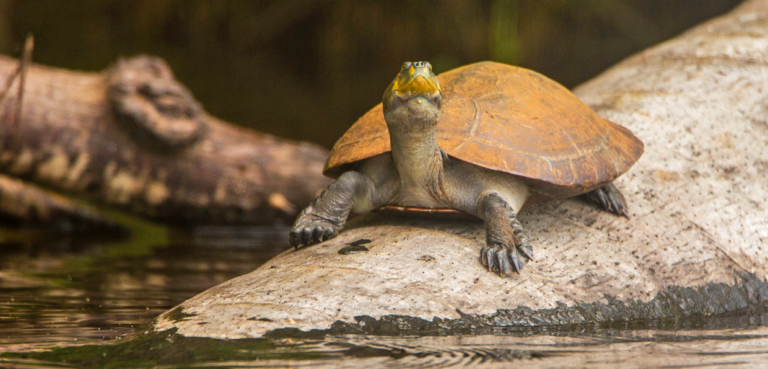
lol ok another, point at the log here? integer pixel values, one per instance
(24, 205)
(134, 138)
(696, 243)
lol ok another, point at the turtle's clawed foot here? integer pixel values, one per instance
(611, 199)
(511, 256)
(507, 247)
(504, 259)
(500, 259)
(310, 229)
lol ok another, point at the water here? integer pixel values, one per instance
(56, 291)
(82, 302)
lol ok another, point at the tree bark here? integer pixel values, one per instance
(135, 138)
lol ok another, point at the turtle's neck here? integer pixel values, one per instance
(417, 157)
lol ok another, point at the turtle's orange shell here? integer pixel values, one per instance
(511, 120)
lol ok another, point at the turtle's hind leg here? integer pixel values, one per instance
(611, 199)
(508, 248)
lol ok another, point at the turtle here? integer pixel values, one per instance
(484, 139)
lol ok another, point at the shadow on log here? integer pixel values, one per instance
(133, 137)
(696, 243)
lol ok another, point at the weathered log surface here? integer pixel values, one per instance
(696, 243)
(135, 138)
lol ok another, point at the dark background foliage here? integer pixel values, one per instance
(307, 69)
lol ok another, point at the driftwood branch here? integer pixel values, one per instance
(135, 138)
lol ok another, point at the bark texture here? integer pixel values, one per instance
(135, 138)
(696, 243)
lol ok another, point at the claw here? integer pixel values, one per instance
(306, 236)
(493, 264)
(527, 254)
(329, 233)
(624, 213)
(500, 260)
(317, 234)
(515, 263)
(486, 258)
(602, 198)
(611, 199)
(294, 240)
(504, 267)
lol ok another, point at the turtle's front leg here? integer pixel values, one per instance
(324, 218)
(508, 248)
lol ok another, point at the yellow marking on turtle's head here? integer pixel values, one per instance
(415, 79)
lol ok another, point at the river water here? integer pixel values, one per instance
(82, 302)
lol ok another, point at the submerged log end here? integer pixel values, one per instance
(22, 204)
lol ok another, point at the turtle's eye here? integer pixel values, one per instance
(405, 66)
(429, 66)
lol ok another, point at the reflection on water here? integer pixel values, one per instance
(77, 302)
(745, 348)
(55, 291)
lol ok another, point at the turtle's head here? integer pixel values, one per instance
(413, 99)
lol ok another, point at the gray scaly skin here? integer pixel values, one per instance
(418, 173)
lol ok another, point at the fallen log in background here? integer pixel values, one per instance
(135, 138)
(22, 204)
(696, 243)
